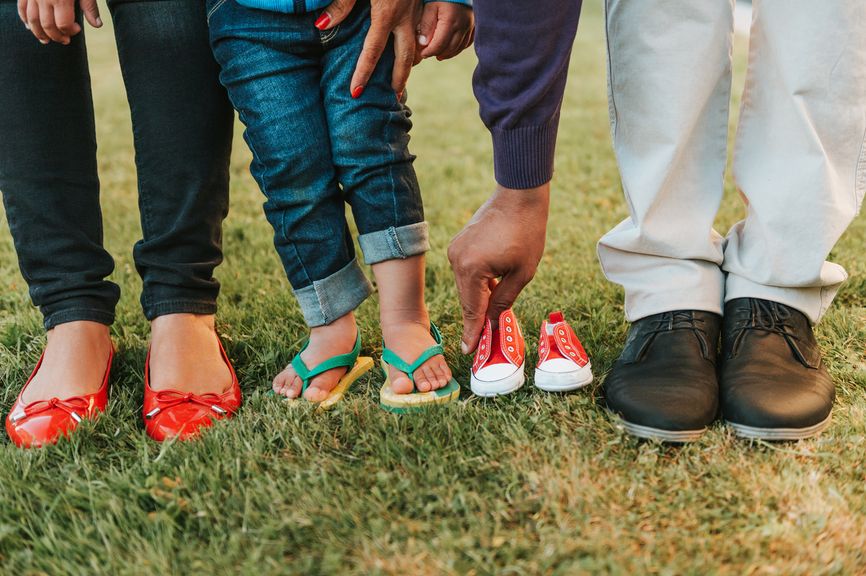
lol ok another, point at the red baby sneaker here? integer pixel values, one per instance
(500, 358)
(562, 362)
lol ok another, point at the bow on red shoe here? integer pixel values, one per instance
(179, 414)
(45, 421)
(169, 398)
(74, 406)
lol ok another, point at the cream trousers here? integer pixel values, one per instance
(799, 156)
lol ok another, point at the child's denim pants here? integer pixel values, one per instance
(315, 148)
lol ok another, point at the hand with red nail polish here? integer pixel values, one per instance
(323, 21)
(387, 17)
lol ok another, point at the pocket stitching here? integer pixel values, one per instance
(329, 35)
(215, 7)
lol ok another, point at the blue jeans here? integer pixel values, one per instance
(315, 148)
(182, 124)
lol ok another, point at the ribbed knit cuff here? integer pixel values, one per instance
(523, 157)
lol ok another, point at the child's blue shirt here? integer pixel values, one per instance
(301, 6)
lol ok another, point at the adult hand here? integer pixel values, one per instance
(446, 29)
(505, 240)
(54, 20)
(399, 17)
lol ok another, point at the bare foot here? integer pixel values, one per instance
(408, 339)
(185, 355)
(325, 342)
(406, 324)
(76, 357)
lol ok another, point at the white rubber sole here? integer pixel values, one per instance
(778, 434)
(563, 381)
(649, 433)
(488, 388)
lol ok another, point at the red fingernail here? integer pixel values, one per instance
(400, 96)
(323, 21)
(357, 91)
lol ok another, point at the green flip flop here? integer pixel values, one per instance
(415, 401)
(358, 365)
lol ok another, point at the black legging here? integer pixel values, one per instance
(182, 124)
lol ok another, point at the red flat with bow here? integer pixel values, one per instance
(177, 414)
(45, 421)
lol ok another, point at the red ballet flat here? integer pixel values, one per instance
(177, 414)
(45, 421)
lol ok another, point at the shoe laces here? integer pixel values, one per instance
(764, 316)
(677, 320)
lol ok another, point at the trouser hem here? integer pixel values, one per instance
(813, 301)
(709, 300)
(395, 243)
(67, 315)
(335, 296)
(166, 307)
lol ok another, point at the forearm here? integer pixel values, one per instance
(523, 51)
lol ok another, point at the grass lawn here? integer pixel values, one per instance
(528, 484)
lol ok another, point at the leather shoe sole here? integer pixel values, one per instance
(778, 434)
(650, 433)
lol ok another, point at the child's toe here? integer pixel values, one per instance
(430, 379)
(400, 383)
(422, 382)
(315, 394)
(446, 370)
(282, 381)
(432, 376)
(293, 390)
(320, 388)
(443, 375)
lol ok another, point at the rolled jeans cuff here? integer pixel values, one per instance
(77, 311)
(335, 296)
(395, 243)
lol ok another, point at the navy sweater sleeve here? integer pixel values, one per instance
(523, 48)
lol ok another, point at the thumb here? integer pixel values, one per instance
(91, 12)
(335, 13)
(427, 27)
(505, 293)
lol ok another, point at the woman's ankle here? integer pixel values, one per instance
(171, 322)
(74, 362)
(80, 331)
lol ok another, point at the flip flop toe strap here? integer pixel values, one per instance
(340, 361)
(392, 359)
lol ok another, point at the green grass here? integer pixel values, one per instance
(532, 483)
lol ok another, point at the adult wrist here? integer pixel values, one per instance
(537, 198)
